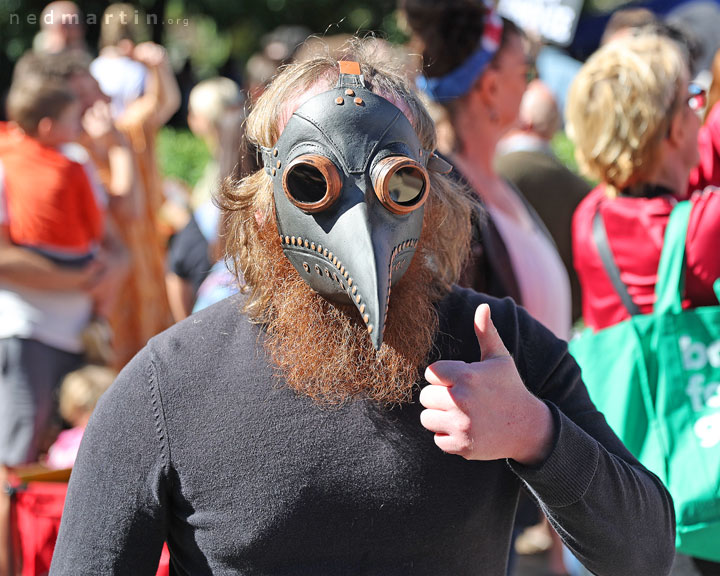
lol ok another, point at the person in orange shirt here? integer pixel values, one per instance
(49, 201)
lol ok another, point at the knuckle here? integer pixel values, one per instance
(463, 424)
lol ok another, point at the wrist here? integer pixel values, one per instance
(113, 138)
(537, 439)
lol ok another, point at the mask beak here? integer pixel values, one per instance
(377, 264)
(373, 282)
(368, 256)
(373, 297)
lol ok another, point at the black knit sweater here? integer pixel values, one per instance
(197, 444)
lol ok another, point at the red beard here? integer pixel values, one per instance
(324, 351)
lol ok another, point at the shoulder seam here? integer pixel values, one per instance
(158, 413)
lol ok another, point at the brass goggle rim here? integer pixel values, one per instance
(333, 184)
(385, 169)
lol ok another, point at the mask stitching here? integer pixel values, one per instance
(351, 290)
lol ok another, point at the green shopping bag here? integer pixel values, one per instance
(656, 377)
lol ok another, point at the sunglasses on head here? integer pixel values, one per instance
(312, 182)
(697, 98)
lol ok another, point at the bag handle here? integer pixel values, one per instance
(668, 299)
(648, 394)
(671, 276)
(608, 260)
(668, 292)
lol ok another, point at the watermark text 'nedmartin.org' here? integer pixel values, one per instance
(51, 19)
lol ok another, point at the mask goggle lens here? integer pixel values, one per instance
(401, 184)
(312, 182)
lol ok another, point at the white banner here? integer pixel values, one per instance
(552, 20)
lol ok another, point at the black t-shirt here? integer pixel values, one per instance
(188, 254)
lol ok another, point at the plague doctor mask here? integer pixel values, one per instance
(349, 182)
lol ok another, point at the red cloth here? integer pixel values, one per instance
(49, 200)
(707, 173)
(37, 508)
(635, 229)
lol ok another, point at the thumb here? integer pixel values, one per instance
(491, 346)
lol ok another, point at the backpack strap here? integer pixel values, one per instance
(608, 260)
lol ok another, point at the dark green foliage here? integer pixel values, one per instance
(241, 23)
(181, 155)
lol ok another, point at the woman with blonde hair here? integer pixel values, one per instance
(216, 114)
(634, 118)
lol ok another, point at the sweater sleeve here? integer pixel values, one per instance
(113, 520)
(614, 514)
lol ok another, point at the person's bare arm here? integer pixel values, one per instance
(180, 296)
(108, 142)
(171, 98)
(125, 194)
(26, 268)
(162, 88)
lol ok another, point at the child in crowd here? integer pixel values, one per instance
(79, 393)
(47, 202)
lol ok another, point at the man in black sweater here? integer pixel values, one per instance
(283, 432)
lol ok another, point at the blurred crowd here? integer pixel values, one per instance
(98, 254)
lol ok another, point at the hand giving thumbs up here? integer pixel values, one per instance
(483, 411)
